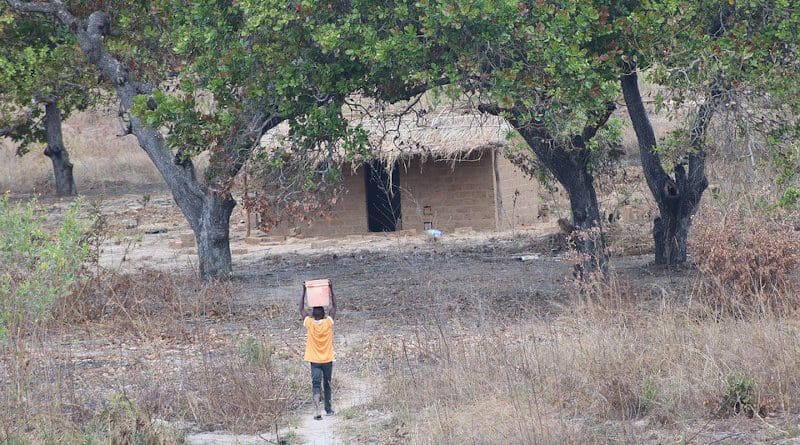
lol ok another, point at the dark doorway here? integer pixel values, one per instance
(383, 197)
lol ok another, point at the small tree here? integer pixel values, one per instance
(41, 86)
(739, 58)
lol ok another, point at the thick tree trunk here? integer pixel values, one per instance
(569, 166)
(589, 239)
(62, 167)
(213, 243)
(207, 207)
(678, 199)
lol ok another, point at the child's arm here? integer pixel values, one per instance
(303, 311)
(333, 302)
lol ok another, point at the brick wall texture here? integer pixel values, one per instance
(445, 194)
(518, 195)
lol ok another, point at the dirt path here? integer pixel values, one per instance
(329, 430)
(357, 391)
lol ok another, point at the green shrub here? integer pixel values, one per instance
(37, 265)
(648, 396)
(257, 352)
(740, 395)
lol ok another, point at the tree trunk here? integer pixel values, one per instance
(62, 167)
(589, 239)
(213, 243)
(569, 166)
(207, 207)
(678, 199)
(500, 211)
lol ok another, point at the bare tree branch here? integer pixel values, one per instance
(36, 7)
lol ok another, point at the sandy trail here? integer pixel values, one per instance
(328, 430)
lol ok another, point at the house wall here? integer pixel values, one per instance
(455, 197)
(520, 197)
(349, 215)
(463, 196)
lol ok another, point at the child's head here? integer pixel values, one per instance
(318, 312)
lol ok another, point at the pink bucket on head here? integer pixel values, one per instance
(318, 292)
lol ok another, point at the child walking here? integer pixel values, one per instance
(319, 350)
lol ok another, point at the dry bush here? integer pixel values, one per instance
(123, 421)
(247, 389)
(47, 395)
(151, 354)
(578, 377)
(597, 292)
(748, 261)
(61, 404)
(236, 394)
(132, 301)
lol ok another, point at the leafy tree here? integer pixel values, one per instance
(41, 86)
(233, 85)
(739, 58)
(549, 68)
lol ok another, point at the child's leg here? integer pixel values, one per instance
(316, 381)
(327, 370)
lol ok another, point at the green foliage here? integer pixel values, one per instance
(783, 164)
(551, 63)
(742, 55)
(739, 394)
(789, 198)
(257, 352)
(649, 395)
(40, 62)
(787, 164)
(674, 147)
(38, 265)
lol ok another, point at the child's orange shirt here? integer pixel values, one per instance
(319, 342)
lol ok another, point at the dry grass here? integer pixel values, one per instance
(127, 349)
(610, 360)
(99, 155)
(579, 376)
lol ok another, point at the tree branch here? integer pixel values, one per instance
(89, 36)
(651, 162)
(36, 7)
(591, 130)
(697, 156)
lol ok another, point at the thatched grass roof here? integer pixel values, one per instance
(449, 134)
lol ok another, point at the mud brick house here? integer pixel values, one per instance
(447, 172)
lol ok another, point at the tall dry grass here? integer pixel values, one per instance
(128, 351)
(99, 155)
(612, 365)
(579, 377)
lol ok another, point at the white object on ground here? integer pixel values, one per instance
(434, 233)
